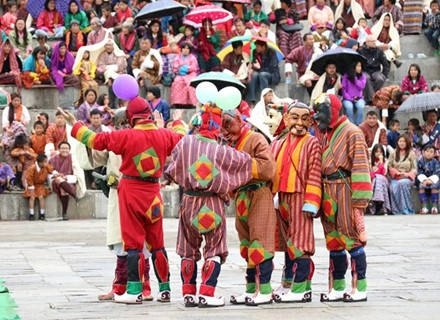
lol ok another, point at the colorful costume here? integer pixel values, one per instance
(36, 177)
(208, 172)
(144, 150)
(346, 193)
(298, 183)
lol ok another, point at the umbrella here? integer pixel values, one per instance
(159, 9)
(220, 79)
(342, 57)
(35, 7)
(421, 102)
(236, 1)
(248, 46)
(197, 15)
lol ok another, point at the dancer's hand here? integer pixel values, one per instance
(67, 115)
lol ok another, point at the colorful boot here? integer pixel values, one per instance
(120, 281)
(161, 269)
(188, 274)
(210, 272)
(135, 267)
(251, 287)
(358, 273)
(337, 269)
(301, 287)
(264, 290)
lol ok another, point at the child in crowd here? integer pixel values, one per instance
(360, 31)
(36, 179)
(380, 203)
(393, 134)
(7, 178)
(415, 133)
(86, 70)
(428, 176)
(26, 156)
(10, 17)
(432, 24)
(38, 139)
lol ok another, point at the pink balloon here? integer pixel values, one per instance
(125, 87)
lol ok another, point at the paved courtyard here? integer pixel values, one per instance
(55, 270)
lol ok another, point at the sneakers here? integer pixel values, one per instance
(128, 298)
(357, 296)
(241, 299)
(434, 210)
(164, 296)
(294, 297)
(190, 300)
(210, 302)
(332, 296)
(259, 299)
(424, 210)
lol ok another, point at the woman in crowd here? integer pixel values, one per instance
(51, 21)
(10, 65)
(21, 38)
(353, 84)
(209, 45)
(156, 35)
(83, 113)
(15, 111)
(36, 68)
(62, 67)
(128, 42)
(74, 13)
(402, 168)
(414, 82)
(186, 68)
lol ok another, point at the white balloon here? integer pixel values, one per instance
(228, 98)
(206, 92)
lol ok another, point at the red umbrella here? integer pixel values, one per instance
(197, 15)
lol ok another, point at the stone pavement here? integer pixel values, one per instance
(55, 270)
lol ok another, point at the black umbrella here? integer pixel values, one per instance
(159, 9)
(342, 57)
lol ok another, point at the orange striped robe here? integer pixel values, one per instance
(298, 181)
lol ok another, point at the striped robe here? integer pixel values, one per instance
(298, 181)
(200, 165)
(345, 150)
(255, 214)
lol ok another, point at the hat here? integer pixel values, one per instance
(138, 108)
(351, 43)
(74, 22)
(155, 91)
(334, 103)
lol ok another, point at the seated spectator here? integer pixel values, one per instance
(74, 38)
(21, 39)
(377, 67)
(431, 131)
(360, 31)
(151, 69)
(36, 68)
(321, 37)
(98, 33)
(414, 82)
(43, 42)
(10, 65)
(38, 138)
(353, 85)
(23, 13)
(86, 71)
(265, 32)
(106, 112)
(237, 62)
(25, 157)
(111, 64)
(74, 13)
(128, 42)
(123, 11)
(402, 169)
(209, 46)
(108, 20)
(62, 67)
(339, 33)
(44, 118)
(83, 113)
(351, 11)
(320, 14)
(185, 68)
(169, 54)
(55, 134)
(388, 100)
(66, 177)
(14, 129)
(428, 180)
(10, 17)
(393, 135)
(188, 36)
(158, 104)
(240, 29)
(388, 38)
(432, 23)
(285, 18)
(51, 21)
(264, 70)
(15, 111)
(36, 179)
(255, 16)
(415, 133)
(389, 6)
(328, 82)
(374, 131)
(380, 202)
(7, 178)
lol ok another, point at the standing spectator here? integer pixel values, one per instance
(380, 202)
(428, 180)
(389, 6)
(208, 45)
(74, 38)
(62, 67)
(51, 21)
(156, 103)
(36, 179)
(374, 131)
(351, 11)
(388, 38)
(414, 82)
(402, 168)
(264, 70)
(288, 38)
(377, 67)
(186, 68)
(98, 33)
(10, 65)
(432, 22)
(353, 85)
(21, 39)
(75, 13)
(38, 139)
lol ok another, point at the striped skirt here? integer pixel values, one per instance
(412, 16)
(381, 192)
(401, 198)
